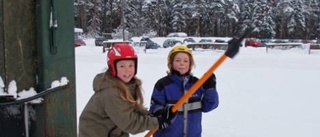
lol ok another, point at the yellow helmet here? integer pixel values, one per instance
(175, 50)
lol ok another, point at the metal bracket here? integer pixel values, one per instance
(53, 25)
(40, 94)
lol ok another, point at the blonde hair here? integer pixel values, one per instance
(125, 94)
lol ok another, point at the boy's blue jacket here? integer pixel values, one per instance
(168, 90)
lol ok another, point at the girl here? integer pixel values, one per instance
(116, 108)
(169, 89)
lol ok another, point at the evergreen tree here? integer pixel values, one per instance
(285, 19)
(178, 17)
(134, 15)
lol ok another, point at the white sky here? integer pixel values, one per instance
(273, 94)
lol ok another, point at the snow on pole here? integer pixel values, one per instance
(31, 92)
(12, 88)
(1, 86)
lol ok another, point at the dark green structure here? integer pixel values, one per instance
(36, 48)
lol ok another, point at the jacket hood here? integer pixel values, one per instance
(102, 81)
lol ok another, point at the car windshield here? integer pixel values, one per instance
(189, 40)
(100, 38)
(205, 40)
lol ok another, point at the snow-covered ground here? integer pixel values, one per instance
(274, 94)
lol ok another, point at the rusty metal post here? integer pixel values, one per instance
(17, 59)
(37, 48)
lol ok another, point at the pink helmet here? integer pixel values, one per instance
(120, 51)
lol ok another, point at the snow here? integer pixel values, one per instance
(1, 86)
(64, 81)
(178, 34)
(79, 30)
(274, 94)
(12, 90)
(57, 83)
(31, 92)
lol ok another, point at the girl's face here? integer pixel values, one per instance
(181, 63)
(125, 70)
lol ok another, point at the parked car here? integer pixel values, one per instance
(170, 42)
(308, 41)
(253, 42)
(189, 40)
(265, 42)
(103, 37)
(78, 37)
(220, 41)
(148, 43)
(98, 40)
(79, 42)
(295, 41)
(177, 34)
(107, 44)
(206, 41)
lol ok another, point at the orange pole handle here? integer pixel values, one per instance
(193, 89)
(151, 132)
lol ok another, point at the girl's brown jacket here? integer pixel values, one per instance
(108, 115)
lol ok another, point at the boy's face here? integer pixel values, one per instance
(125, 70)
(181, 63)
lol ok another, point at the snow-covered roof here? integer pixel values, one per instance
(178, 34)
(78, 30)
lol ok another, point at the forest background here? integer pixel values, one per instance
(282, 19)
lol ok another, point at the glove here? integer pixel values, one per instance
(233, 47)
(210, 82)
(165, 116)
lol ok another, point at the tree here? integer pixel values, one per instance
(178, 17)
(286, 19)
(135, 20)
(296, 24)
(313, 18)
(229, 18)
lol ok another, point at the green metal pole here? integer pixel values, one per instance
(55, 30)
